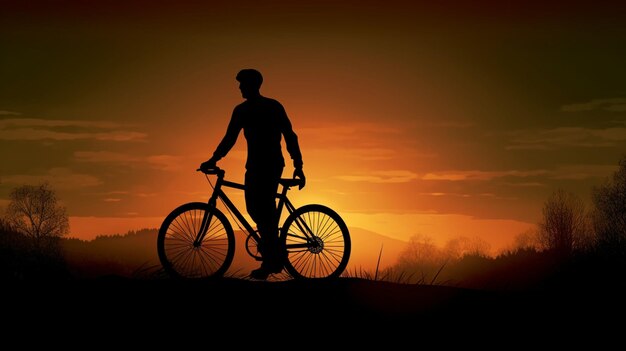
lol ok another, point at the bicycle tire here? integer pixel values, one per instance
(329, 257)
(179, 257)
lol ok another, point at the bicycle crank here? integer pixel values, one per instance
(252, 247)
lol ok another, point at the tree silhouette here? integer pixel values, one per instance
(462, 246)
(527, 240)
(564, 223)
(609, 216)
(34, 211)
(421, 259)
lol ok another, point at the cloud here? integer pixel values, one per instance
(37, 122)
(145, 194)
(103, 156)
(354, 132)
(42, 129)
(480, 175)
(366, 141)
(62, 178)
(112, 193)
(379, 154)
(614, 105)
(616, 134)
(35, 134)
(441, 194)
(549, 139)
(161, 162)
(164, 162)
(580, 172)
(9, 113)
(368, 154)
(527, 184)
(446, 124)
(396, 176)
(576, 172)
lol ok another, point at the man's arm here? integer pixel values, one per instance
(291, 141)
(229, 140)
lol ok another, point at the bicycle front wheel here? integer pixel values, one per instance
(317, 241)
(183, 257)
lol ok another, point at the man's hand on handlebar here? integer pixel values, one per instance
(298, 173)
(208, 165)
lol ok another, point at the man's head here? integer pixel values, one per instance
(250, 81)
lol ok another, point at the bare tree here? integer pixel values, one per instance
(527, 240)
(564, 223)
(463, 246)
(34, 211)
(420, 250)
(421, 259)
(609, 215)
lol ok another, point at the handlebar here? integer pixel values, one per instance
(215, 170)
(220, 173)
(290, 182)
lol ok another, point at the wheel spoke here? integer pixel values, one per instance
(328, 268)
(328, 230)
(179, 230)
(336, 232)
(178, 254)
(299, 261)
(176, 243)
(327, 226)
(187, 225)
(209, 261)
(184, 260)
(290, 235)
(332, 256)
(303, 250)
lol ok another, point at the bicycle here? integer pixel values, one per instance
(196, 240)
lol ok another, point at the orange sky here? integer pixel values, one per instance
(413, 119)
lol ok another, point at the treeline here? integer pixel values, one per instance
(130, 255)
(571, 245)
(22, 258)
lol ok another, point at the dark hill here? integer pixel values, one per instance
(352, 309)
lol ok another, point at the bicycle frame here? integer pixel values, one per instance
(218, 193)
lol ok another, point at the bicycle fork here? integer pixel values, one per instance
(206, 222)
(313, 242)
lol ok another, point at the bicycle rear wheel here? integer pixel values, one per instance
(317, 241)
(175, 244)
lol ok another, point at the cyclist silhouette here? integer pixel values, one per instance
(263, 121)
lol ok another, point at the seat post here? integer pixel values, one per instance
(281, 199)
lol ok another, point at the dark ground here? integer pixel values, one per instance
(346, 306)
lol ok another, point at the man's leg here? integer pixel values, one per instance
(261, 188)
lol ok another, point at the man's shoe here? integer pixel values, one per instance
(260, 273)
(272, 266)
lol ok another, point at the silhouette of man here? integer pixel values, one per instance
(263, 121)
